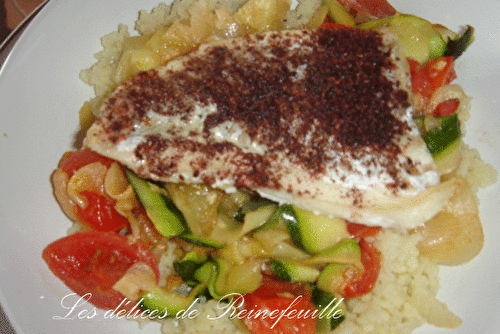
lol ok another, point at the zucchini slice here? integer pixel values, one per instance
(333, 277)
(206, 242)
(205, 272)
(346, 252)
(166, 218)
(260, 218)
(439, 139)
(255, 202)
(293, 272)
(223, 277)
(186, 267)
(311, 232)
(218, 280)
(161, 303)
(213, 274)
(420, 39)
(332, 310)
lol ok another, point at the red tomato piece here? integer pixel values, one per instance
(446, 108)
(377, 9)
(362, 231)
(92, 262)
(360, 285)
(100, 213)
(428, 78)
(279, 295)
(73, 161)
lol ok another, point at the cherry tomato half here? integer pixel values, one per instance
(92, 262)
(100, 213)
(360, 285)
(279, 295)
(446, 108)
(431, 76)
(74, 160)
(362, 231)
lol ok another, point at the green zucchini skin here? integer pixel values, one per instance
(253, 204)
(346, 251)
(166, 304)
(208, 276)
(311, 232)
(332, 309)
(214, 275)
(456, 47)
(290, 218)
(166, 218)
(293, 272)
(200, 241)
(439, 139)
(420, 39)
(187, 267)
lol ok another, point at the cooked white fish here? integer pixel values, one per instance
(317, 118)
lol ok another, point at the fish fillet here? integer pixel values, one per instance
(317, 118)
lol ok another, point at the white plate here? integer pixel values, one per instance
(40, 94)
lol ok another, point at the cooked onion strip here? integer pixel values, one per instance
(137, 279)
(434, 311)
(88, 178)
(60, 183)
(117, 187)
(445, 93)
(455, 236)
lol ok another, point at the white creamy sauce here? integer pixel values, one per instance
(233, 133)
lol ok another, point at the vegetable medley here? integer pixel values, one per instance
(229, 244)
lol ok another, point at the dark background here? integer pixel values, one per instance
(4, 30)
(12, 13)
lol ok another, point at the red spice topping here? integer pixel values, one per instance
(290, 92)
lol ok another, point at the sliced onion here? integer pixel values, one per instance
(433, 311)
(59, 183)
(88, 178)
(445, 93)
(137, 279)
(455, 235)
(271, 237)
(117, 187)
(245, 277)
